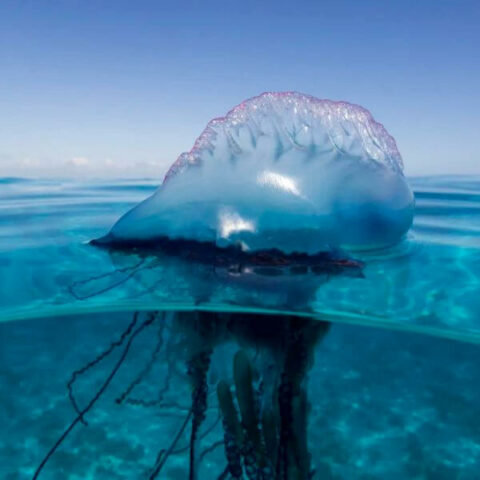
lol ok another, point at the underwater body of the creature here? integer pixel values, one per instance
(283, 188)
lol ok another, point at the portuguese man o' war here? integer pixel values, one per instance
(268, 198)
(281, 170)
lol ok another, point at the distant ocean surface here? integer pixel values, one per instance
(447, 207)
(395, 402)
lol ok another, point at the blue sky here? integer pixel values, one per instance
(116, 88)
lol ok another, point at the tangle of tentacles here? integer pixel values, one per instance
(261, 401)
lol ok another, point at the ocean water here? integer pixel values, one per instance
(394, 389)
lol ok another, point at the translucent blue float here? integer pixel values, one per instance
(285, 171)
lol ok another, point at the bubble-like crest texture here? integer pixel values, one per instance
(281, 170)
(296, 122)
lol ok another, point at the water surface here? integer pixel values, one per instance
(428, 283)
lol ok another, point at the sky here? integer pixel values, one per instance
(99, 88)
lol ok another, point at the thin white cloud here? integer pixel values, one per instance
(80, 166)
(80, 161)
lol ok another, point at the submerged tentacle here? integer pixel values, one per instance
(202, 436)
(164, 454)
(99, 393)
(224, 474)
(97, 360)
(233, 434)
(130, 271)
(265, 429)
(254, 451)
(293, 458)
(160, 400)
(74, 284)
(270, 432)
(209, 449)
(245, 439)
(201, 331)
(197, 370)
(147, 368)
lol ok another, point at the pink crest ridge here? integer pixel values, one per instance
(304, 104)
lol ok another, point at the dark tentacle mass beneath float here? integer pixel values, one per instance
(262, 399)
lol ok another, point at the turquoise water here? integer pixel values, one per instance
(384, 405)
(394, 402)
(429, 283)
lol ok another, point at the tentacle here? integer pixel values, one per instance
(233, 433)
(97, 360)
(202, 436)
(224, 474)
(164, 454)
(99, 393)
(270, 433)
(285, 411)
(160, 398)
(197, 371)
(253, 448)
(131, 271)
(209, 449)
(293, 459)
(147, 368)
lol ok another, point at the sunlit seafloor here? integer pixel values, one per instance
(386, 403)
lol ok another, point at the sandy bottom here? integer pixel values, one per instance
(384, 405)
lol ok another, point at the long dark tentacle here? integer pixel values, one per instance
(224, 475)
(233, 433)
(253, 448)
(209, 449)
(293, 455)
(146, 369)
(141, 402)
(99, 393)
(131, 269)
(97, 360)
(203, 435)
(197, 370)
(164, 454)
